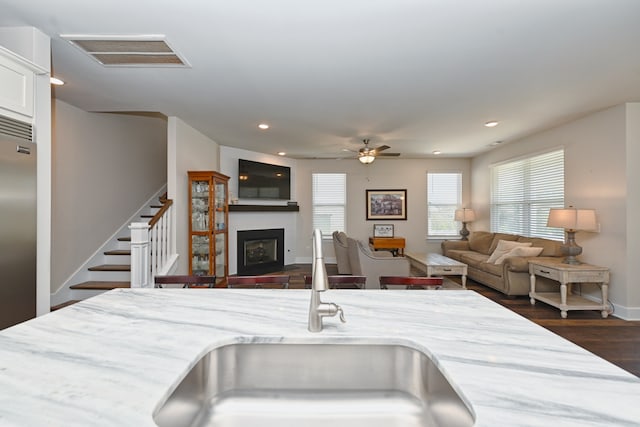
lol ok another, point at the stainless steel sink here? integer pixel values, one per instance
(314, 385)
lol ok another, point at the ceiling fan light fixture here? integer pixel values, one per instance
(366, 158)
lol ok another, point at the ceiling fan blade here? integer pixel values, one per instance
(388, 154)
(381, 148)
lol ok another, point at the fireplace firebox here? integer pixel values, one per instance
(260, 251)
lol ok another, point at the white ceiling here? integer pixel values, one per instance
(416, 75)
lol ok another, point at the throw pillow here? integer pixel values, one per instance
(520, 251)
(503, 247)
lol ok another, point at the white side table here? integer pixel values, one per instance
(566, 275)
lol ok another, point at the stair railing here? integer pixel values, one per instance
(153, 249)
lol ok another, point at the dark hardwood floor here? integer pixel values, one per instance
(613, 339)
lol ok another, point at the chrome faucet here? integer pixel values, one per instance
(320, 283)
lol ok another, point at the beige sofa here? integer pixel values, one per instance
(511, 277)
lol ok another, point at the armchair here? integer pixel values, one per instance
(373, 265)
(342, 254)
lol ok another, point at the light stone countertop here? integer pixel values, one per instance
(110, 360)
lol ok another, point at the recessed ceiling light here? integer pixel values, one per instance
(437, 152)
(263, 126)
(56, 81)
(281, 153)
(491, 124)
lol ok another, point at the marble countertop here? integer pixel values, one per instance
(110, 360)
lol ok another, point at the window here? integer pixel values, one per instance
(329, 202)
(523, 191)
(444, 196)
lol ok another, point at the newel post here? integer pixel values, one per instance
(140, 255)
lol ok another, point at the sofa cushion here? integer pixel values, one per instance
(549, 247)
(520, 251)
(473, 258)
(501, 236)
(480, 241)
(503, 247)
(487, 267)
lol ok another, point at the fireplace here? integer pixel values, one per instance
(260, 251)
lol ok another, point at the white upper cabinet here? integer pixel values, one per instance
(16, 87)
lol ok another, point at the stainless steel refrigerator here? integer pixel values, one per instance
(17, 222)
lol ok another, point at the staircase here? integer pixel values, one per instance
(113, 270)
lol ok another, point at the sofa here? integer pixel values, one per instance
(511, 275)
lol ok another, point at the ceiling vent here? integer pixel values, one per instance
(128, 51)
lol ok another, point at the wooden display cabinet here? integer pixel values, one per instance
(208, 225)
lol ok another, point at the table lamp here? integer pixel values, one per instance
(465, 215)
(572, 220)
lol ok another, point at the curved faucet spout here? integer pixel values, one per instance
(320, 283)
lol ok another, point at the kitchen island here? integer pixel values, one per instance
(113, 359)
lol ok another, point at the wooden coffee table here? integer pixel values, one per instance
(433, 264)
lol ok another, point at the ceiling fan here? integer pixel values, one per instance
(367, 154)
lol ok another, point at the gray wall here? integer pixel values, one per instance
(189, 150)
(599, 174)
(105, 166)
(409, 174)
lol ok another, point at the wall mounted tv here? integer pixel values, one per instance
(263, 181)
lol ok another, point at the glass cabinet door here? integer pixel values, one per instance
(201, 256)
(199, 205)
(220, 205)
(221, 258)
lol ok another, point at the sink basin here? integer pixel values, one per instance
(314, 385)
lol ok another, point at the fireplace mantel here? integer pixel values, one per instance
(264, 208)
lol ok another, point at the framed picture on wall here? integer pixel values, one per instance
(386, 204)
(382, 230)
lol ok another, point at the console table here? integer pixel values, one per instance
(566, 275)
(395, 244)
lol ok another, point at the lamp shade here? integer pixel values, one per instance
(465, 215)
(573, 219)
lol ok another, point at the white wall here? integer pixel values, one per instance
(595, 177)
(188, 150)
(105, 166)
(239, 221)
(633, 205)
(409, 174)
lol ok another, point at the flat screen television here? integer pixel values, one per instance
(263, 181)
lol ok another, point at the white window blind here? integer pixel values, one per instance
(444, 195)
(523, 191)
(329, 202)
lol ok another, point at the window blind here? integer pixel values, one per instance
(523, 191)
(329, 194)
(444, 195)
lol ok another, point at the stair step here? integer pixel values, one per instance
(111, 267)
(156, 206)
(101, 285)
(146, 216)
(119, 252)
(64, 304)
(124, 239)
